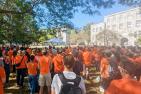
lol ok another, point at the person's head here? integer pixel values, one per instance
(23, 52)
(107, 53)
(0, 53)
(69, 61)
(75, 52)
(44, 52)
(14, 53)
(34, 51)
(54, 51)
(20, 53)
(59, 50)
(32, 58)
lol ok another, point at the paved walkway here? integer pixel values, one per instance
(91, 85)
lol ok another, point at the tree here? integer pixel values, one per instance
(87, 31)
(16, 27)
(57, 12)
(108, 37)
(20, 16)
(139, 40)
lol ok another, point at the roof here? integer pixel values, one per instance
(125, 11)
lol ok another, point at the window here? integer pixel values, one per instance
(138, 23)
(121, 26)
(113, 27)
(121, 18)
(138, 14)
(139, 32)
(111, 19)
(129, 24)
(129, 17)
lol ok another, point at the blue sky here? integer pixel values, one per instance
(81, 19)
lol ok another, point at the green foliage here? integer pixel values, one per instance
(20, 19)
(139, 40)
(16, 27)
(87, 31)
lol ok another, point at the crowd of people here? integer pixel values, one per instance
(63, 70)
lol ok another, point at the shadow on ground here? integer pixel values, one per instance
(92, 86)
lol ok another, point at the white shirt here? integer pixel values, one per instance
(56, 83)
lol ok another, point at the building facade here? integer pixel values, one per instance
(95, 29)
(126, 23)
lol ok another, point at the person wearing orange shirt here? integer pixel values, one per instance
(38, 55)
(58, 63)
(126, 85)
(2, 79)
(2, 76)
(32, 74)
(87, 59)
(97, 59)
(21, 60)
(104, 68)
(45, 75)
(78, 65)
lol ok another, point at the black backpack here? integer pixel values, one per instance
(70, 86)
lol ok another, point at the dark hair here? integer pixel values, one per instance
(32, 57)
(69, 61)
(0, 53)
(14, 53)
(44, 52)
(107, 53)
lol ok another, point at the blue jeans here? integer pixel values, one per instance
(33, 82)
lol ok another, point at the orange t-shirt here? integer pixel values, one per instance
(87, 58)
(131, 59)
(32, 68)
(124, 86)
(2, 75)
(58, 63)
(138, 60)
(104, 68)
(44, 64)
(18, 59)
